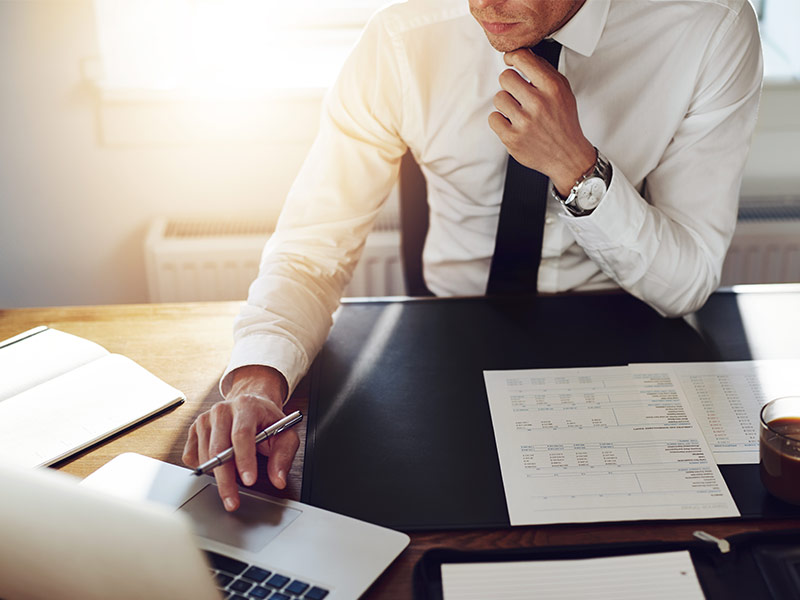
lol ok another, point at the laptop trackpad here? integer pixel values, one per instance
(250, 528)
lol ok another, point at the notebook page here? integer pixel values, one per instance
(660, 576)
(71, 412)
(40, 357)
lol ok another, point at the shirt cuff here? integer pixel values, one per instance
(615, 222)
(269, 351)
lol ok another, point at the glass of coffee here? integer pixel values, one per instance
(779, 447)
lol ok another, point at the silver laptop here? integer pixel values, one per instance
(118, 535)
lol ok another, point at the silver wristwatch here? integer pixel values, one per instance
(589, 190)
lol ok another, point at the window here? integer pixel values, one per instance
(226, 47)
(781, 44)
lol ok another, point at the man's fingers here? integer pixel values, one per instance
(281, 450)
(253, 402)
(500, 125)
(243, 436)
(190, 448)
(221, 422)
(203, 430)
(537, 70)
(513, 83)
(507, 105)
(227, 486)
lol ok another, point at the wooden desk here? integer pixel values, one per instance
(188, 346)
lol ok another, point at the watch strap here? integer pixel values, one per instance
(601, 169)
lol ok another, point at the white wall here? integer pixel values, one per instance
(773, 168)
(74, 209)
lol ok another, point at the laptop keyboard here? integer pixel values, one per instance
(238, 580)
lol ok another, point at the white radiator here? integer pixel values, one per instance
(766, 244)
(188, 260)
(217, 259)
(193, 259)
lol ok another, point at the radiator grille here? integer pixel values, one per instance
(766, 245)
(770, 209)
(199, 228)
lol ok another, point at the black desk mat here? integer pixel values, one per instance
(399, 428)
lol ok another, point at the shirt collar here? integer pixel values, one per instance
(582, 32)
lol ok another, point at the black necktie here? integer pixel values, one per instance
(518, 246)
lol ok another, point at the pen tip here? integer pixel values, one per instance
(197, 472)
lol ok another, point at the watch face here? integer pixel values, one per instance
(590, 193)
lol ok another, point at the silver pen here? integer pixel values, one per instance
(226, 455)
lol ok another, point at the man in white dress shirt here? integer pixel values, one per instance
(654, 101)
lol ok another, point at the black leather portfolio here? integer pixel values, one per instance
(399, 428)
(752, 566)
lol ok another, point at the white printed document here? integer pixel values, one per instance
(60, 393)
(601, 444)
(726, 398)
(659, 576)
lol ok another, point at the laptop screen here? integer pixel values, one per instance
(62, 540)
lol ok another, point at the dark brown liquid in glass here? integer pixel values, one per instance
(780, 459)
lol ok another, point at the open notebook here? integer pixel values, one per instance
(60, 393)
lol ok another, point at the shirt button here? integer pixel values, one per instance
(549, 220)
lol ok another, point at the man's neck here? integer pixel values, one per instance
(575, 8)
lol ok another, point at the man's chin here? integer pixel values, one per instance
(503, 44)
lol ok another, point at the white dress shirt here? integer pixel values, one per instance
(667, 90)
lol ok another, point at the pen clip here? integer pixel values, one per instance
(723, 544)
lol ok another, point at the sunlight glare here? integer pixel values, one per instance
(216, 48)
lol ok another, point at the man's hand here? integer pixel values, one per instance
(253, 403)
(538, 121)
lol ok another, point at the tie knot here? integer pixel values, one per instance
(548, 49)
